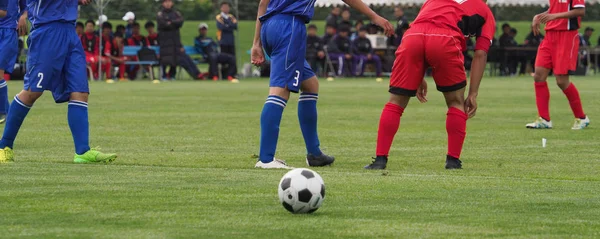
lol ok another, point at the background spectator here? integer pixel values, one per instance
(227, 24)
(401, 26)
(363, 53)
(136, 39)
(533, 41)
(130, 19)
(120, 29)
(333, 17)
(152, 34)
(91, 47)
(116, 54)
(209, 50)
(330, 31)
(587, 37)
(79, 28)
(358, 25)
(346, 21)
(315, 56)
(172, 52)
(340, 49)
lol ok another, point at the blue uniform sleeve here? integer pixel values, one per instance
(22, 6)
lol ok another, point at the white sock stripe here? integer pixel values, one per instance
(2, 85)
(77, 104)
(307, 100)
(275, 102)
(77, 101)
(309, 97)
(21, 103)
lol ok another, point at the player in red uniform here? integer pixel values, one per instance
(436, 39)
(558, 52)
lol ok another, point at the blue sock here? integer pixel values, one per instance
(14, 119)
(269, 127)
(307, 115)
(78, 122)
(3, 97)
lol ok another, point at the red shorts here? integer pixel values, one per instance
(428, 46)
(559, 52)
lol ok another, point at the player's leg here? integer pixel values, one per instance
(543, 64)
(566, 62)
(447, 61)
(407, 75)
(73, 87)
(378, 66)
(285, 77)
(307, 116)
(9, 49)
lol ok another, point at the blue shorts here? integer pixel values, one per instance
(284, 40)
(9, 49)
(56, 61)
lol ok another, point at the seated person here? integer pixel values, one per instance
(358, 25)
(209, 50)
(136, 39)
(363, 53)
(91, 47)
(79, 28)
(330, 32)
(315, 56)
(152, 34)
(121, 29)
(340, 50)
(116, 54)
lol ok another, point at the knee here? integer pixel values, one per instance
(29, 97)
(310, 86)
(400, 100)
(562, 82)
(79, 96)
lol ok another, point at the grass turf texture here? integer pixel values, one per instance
(186, 167)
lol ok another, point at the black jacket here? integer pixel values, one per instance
(340, 45)
(507, 41)
(169, 22)
(314, 44)
(533, 40)
(362, 46)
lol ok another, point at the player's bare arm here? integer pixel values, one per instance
(22, 25)
(477, 69)
(577, 12)
(84, 2)
(359, 5)
(257, 56)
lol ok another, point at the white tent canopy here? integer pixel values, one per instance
(329, 3)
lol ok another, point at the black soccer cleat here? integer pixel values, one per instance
(379, 163)
(319, 161)
(453, 163)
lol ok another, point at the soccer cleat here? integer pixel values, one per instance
(379, 163)
(276, 163)
(94, 156)
(6, 155)
(319, 161)
(123, 79)
(581, 123)
(2, 118)
(215, 78)
(233, 79)
(453, 163)
(540, 123)
(110, 81)
(155, 82)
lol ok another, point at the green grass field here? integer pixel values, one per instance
(186, 168)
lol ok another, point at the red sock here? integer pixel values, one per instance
(456, 127)
(542, 99)
(388, 126)
(573, 95)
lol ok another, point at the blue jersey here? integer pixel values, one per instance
(47, 11)
(13, 12)
(3, 5)
(299, 8)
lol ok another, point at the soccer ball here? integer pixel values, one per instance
(301, 191)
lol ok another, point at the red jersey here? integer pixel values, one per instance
(138, 40)
(471, 18)
(564, 24)
(90, 43)
(153, 39)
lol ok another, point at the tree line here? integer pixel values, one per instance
(246, 10)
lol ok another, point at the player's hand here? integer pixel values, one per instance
(388, 29)
(348, 57)
(471, 105)
(257, 56)
(422, 92)
(535, 24)
(84, 2)
(22, 26)
(547, 17)
(369, 56)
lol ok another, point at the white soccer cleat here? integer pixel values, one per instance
(581, 123)
(540, 123)
(276, 163)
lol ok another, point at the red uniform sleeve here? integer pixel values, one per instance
(107, 48)
(578, 3)
(484, 40)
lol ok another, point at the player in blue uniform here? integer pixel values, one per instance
(9, 48)
(56, 62)
(281, 33)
